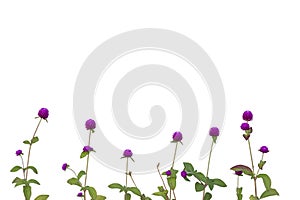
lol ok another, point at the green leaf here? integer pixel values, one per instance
(207, 196)
(15, 168)
(80, 174)
(261, 164)
(127, 196)
(92, 192)
(245, 169)
(26, 142)
(16, 180)
(33, 181)
(135, 191)
(210, 183)
(199, 187)
(42, 197)
(266, 179)
(269, 192)
(239, 193)
(188, 167)
(84, 154)
(162, 192)
(253, 198)
(33, 169)
(74, 181)
(100, 197)
(173, 173)
(200, 177)
(27, 192)
(116, 186)
(19, 181)
(172, 182)
(34, 140)
(218, 182)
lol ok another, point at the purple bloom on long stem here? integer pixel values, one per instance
(90, 124)
(264, 149)
(127, 153)
(247, 115)
(64, 166)
(214, 131)
(80, 194)
(87, 149)
(245, 126)
(19, 152)
(177, 136)
(43, 113)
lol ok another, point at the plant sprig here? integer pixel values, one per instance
(25, 181)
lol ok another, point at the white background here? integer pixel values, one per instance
(254, 44)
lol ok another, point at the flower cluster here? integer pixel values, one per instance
(250, 171)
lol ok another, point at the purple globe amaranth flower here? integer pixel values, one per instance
(43, 113)
(90, 124)
(80, 194)
(177, 136)
(87, 148)
(245, 126)
(127, 153)
(214, 131)
(239, 173)
(64, 166)
(168, 173)
(183, 174)
(19, 152)
(247, 115)
(264, 149)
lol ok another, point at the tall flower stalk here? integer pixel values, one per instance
(90, 125)
(250, 171)
(203, 181)
(25, 181)
(128, 191)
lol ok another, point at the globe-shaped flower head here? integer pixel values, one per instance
(90, 124)
(214, 131)
(43, 113)
(127, 153)
(264, 149)
(177, 136)
(247, 115)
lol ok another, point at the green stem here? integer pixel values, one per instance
(126, 173)
(209, 158)
(174, 194)
(29, 150)
(23, 165)
(87, 165)
(130, 174)
(252, 163)
(208, 165)
(161, 176)
(72, 171)
(174, 155)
